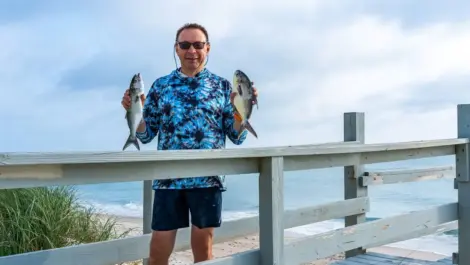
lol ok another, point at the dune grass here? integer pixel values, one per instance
(49, 217)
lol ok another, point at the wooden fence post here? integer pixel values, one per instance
(271, 211)
(147, 210)
(354, 131)
(462, 170)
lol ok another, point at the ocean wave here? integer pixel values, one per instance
(130, 209)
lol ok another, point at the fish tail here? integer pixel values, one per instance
(246, 125)
(131, 140)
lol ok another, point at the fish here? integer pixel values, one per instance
(135, 112)
(244, 99)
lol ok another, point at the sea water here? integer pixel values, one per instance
(307, 188)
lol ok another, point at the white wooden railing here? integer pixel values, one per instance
(23, 170)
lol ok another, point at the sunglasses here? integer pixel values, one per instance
(185, 45)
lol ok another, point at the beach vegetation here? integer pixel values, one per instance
(41, 218)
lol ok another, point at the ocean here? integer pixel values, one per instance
(306, 188)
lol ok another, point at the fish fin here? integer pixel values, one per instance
(130, 141)
(246, 125)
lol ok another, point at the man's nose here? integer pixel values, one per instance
(191, 49)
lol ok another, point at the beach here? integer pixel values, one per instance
(252, 242)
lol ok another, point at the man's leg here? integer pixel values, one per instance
(170, 212)
(206, 214)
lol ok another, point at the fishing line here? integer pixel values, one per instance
(174, 56)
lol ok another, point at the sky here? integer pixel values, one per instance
(64, 66)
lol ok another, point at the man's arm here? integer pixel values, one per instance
(232, 121)
(148, 128)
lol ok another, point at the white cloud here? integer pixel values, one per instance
(311, 61)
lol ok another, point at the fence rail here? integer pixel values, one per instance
(24, 170)
(409, 175)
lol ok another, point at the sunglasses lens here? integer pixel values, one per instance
(198, 45)
(184, 45)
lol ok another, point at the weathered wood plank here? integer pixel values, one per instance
(108, 252)
(339, 240)
(271, 209)
(462, 161)
(325, 211)
(373, 258)
(354, 131)
(444, 261)
(102, 172)
(376, 258)
(415, 234)
(57, 158)
(408, 175)
(398, 257)
(49, 158)
(347, 262)
(77, 174)
(337, 160)
(250, 257)
(134, 248)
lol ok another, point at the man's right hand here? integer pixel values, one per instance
(126, 100)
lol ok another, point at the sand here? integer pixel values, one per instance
(251, 242)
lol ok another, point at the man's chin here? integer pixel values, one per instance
(192, 66)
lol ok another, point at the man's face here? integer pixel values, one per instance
(192, 57)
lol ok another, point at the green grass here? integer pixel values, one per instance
(44, 218)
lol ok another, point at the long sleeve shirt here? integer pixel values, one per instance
(190, 113)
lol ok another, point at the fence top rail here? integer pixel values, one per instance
(40, 158)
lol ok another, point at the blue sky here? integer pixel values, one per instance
(64, 66)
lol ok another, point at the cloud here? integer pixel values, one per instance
(64, 67)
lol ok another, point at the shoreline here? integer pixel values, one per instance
(250, 242)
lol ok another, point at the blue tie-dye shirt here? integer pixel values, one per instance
(190, 113)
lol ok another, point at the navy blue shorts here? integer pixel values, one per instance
(171, 208)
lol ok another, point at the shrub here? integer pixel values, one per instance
(49, 217)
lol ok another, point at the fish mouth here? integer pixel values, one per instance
(238, 73)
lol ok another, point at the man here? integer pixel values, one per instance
(191, 108)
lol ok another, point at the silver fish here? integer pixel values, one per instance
(244, 99)
(134, 113)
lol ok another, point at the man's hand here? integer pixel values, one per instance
(126, 100)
